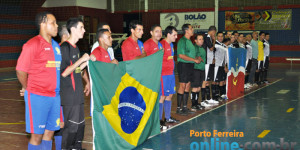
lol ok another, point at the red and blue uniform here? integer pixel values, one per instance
(41, 61)
(151, 47)
(101, 55)
(131, 49)
(168, 78)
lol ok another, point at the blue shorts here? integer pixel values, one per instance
(42, 112)
(167, 85)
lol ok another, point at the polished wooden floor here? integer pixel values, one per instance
(268, 113)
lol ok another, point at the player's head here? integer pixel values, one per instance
(75, 27)
(187, 29)
(226, 41)
(248, 37)
(156, 32)
(220, 36)
(262, 35)
(228, 34)
(267, 36)
(199, 39)
(103, 25)
(212, 30)
(104, 37)
(236, 34)
(171, 33)
(136, 28)
(63, 33)
(46, 23)
(254, 35)
(241, 38)
(232, 38)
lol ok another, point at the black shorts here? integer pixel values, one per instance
(221, 75)
(209, 72)
(199, 77)
(185, 72)
(266, 63)
(248, 67)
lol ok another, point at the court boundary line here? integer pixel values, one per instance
(164, 131)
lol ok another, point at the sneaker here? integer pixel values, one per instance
(249, 85)
(163, 125)
(220, 99)
(178, 111)
(205, 104)
(194, 108)
(211, 101)
(200, 106)
(172, 120)
(245, 86)
(186, 111)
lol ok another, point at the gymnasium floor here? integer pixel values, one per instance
(269, 113)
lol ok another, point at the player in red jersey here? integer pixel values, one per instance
(152, 45)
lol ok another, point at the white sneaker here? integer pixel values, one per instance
(224, 97)
(205, 104)
(245, 86)
(249, 85)
(211, 101)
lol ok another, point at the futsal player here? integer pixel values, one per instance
(72, 92)
(132, 48)
(152, 45)
(248, 60)
(260, 58)
(38, 70)
(267, 56)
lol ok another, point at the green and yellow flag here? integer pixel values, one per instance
(125, 109)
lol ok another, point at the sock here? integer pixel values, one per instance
(246, 79)
(207, 93)
(168, 105)
(34, 147)
(261, 76)
(213, 88)
(197, 98)
(179, 100)
(256, 76)
(57, 142)
(185, 98)
(193, 98)
(46, 145)
(218, 90)
(161, 109)
(225, 90)
(265, 75)
(222, 92)
(203, 94)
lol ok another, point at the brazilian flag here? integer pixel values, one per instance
(125, 110)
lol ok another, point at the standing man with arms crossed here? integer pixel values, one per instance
(132, 47)
(72, 92)
(38, 70)
(260, 58)
(186, 60)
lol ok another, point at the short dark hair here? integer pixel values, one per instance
(169, 30)
(219, 32)
(101, 24)
(100, 33)
(226, 32)
(212, 28)
(73, 22)
(226, 40)
(154, 26)
(267, 33)
(41, 18)
(234, 32)
(261, 32)
(185, 27)
(134, 23)
(198, 35)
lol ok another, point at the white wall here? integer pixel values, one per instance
(98, 4)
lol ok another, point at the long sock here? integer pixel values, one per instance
(161, 109)
(168, 105)
(46, 145)
(179, 100)
(208, 92)
(185, 98)
(34, 147)
(218, 90)
(58, 142)
(261, 76)
(225, 90)
(193, 98)
(222, 92)
(203, 93)
(246, 79)
(256, 76)
(265, 75)
(197, 98)
(213, 88)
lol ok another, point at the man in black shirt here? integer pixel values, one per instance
(72, 93)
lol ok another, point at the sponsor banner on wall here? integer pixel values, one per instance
(259, 20)
(199, 20)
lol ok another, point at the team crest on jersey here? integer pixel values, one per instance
(57, 122)
(57, 51)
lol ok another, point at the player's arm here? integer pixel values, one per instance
(181, 53)
(141, 56)
(87, 88)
